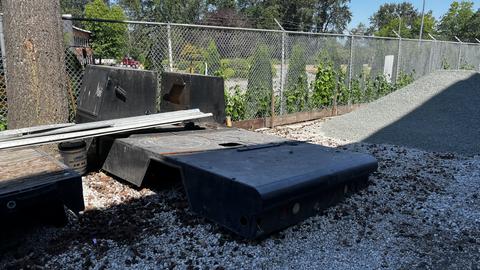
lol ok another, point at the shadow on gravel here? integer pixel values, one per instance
(448, 122)
(33, 244)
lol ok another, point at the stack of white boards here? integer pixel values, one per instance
(57, 133)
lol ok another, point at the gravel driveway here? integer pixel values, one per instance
(438, 112)
(421, 210)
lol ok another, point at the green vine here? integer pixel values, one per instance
(235, 103)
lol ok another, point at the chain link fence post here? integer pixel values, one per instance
(350, 68)
(282, 75)
(282, 70)
(3, 83)
(399, 53)
(459, 52)
(478, 66)
(170, 54)
(432, 52)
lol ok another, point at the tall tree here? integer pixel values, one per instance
(429, 25)
(221, 4)
(360, 29)
(74, 7)
(36, 88)
(474, 26)
(332, 15)
(262, 13)
(225, 15)
(302, 15)
(108, 39)
(389, 12)
(390, 16)
(185, 11)
(457, 20)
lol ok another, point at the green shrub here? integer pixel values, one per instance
(225, 73)
(3, 123)
(445, 64)
(369, 90)
(324, 85)
(259, 88)
(403, 80)
(191, 59)
(296, 96)
(235, 104)
(296, 93)
(212, 58)
(197, 67)
(343, 94)
(356, 91)
(467, 66)
(382, 86)
(240, 67)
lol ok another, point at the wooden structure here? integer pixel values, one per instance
(31, 179)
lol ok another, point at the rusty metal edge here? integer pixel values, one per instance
(293, 118)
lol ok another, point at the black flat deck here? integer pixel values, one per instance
(251, 183)
(129, 158)
(28, 175)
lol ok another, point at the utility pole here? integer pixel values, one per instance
(423, 19)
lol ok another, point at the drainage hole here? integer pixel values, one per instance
(230, 144)
(11, 204)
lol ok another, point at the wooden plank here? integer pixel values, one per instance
(22, 169)
(295, 117)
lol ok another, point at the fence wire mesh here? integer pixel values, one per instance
(3, 97)
(283, 71)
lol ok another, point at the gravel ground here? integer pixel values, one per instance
(438, 112)
(421, 210)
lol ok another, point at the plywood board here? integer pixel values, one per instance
(25, 168)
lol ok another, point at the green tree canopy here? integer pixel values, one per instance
(303, 15)
(457, 21)
(390, 16)
(108, 39)
(474, 26)
(74, 7)
(360, 29)
(184, 11)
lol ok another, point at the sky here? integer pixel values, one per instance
(363, 9)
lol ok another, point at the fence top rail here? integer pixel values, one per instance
(259, 30)
(208, 26)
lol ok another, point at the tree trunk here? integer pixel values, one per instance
(35, 65)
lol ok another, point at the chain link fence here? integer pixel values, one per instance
(281, 71)
(3, 97)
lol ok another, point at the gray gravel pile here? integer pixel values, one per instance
(421, 210)
(438, 112)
